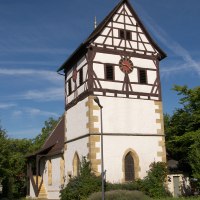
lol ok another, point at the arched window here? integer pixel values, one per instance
(129, 167)
(76, 165)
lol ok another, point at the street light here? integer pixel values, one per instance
(96, 99)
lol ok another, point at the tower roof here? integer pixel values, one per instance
(82, 49)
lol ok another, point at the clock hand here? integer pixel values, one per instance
(125, 65)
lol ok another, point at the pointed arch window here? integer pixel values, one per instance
(76, 165)
(129, 167)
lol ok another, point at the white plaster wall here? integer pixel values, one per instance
(143, 63)
(77, 120)
(122, 115)
(79, 146)
(53, 194)
(53, 190)
(151, 76)
(32, 193)
(99, 70)
(107, 58)
(115, 147)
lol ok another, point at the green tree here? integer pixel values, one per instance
(194, 156)
(154, 183)
(4, 151)
(39, 140)
(182, 130)
(13, 160)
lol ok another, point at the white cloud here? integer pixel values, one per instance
(37, 50)
(42, 74)
(50, 94)
(39, 63)
(33, 112)
(6, 105)
(36, 112)
(175, 47)
(17, 113)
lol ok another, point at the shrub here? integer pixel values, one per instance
(154, 183)
(120, 195)
(122, 186)
(80, 187)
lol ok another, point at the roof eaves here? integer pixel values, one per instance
(82, 46)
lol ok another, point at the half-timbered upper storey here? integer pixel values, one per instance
(118, 59)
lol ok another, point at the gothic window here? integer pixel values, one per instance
(76, 165)
(69, 86)
(125, 34)
(81, 76)
(129, 167)
(142, 76)
(109, 72)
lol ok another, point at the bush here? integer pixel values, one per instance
(122, 186)
(120, 195)
(80, 187)
(154, 184)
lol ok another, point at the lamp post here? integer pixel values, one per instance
(96, 99)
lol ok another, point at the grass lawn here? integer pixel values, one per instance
(181, 198)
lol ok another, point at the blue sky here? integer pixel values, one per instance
(36, 37)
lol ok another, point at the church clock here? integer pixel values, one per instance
(126, 65)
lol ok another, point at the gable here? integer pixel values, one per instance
(106, 35)
(124, 31)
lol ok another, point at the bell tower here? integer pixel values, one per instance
(119, 63)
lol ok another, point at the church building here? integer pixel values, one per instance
(119, 64)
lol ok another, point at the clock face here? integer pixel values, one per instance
(126, 65)
(74, 75)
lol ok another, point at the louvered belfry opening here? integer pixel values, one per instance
(81, 76)
(109, 72)
(129, 168)
(142, 76)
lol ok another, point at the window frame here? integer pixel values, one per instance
(129, 175)
(81, 77)
(106, 66)
(69, 83)
(140, 71)
(126, 34)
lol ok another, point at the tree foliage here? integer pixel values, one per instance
(13, 160)
(154, 183)
(39, 140)
(182, 130)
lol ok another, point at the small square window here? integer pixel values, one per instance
(125, 34)
(142, 76)
(109, 72)
(81, 76)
